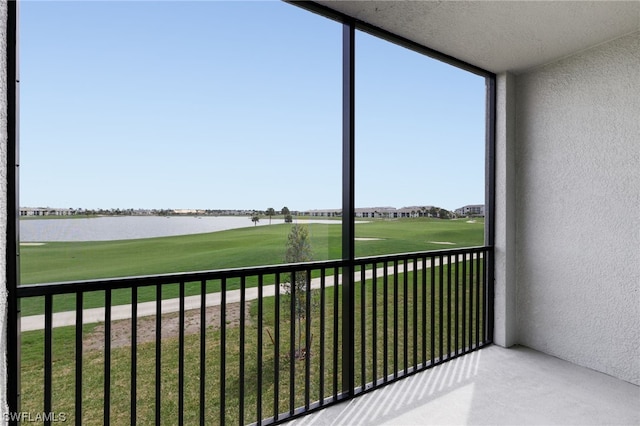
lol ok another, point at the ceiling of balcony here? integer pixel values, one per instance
(500, 35)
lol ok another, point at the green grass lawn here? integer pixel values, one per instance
(251, 246)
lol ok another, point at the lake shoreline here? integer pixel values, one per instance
(115, 228)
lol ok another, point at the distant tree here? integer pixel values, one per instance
(444, 214)
(298, 249)
(285, 211)
(255, 219)
(270, 212)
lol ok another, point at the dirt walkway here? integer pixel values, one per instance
(146, 327)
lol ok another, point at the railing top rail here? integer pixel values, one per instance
(34, 290)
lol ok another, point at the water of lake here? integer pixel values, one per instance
(133, 227)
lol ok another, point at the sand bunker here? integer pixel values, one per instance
(449, 243)
(368, 239)
(32, 244)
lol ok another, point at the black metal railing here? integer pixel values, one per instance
(252, 345)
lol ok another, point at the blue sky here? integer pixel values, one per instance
(235, 105)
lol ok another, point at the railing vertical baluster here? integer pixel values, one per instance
(464, 303)
(363, 328)
(260, 331)
(448, 306)
(292, 345)
(433, 309)
(107, 357)
(134, 356)
(78, 396)
(374, 322)
(478, 293)
(457, 307)
(348, 329)
(424, 311)
(489, 293)
(385, 317)
(181, 354)
(322, 332)
(223, 345)
(336, 300)
(158, 352)
(485, 299)
(243, 300)
(405, 316)
(48, 353)
(276, 350)
(307, 341)
(471, 316)
(395, 319)
(415, 312)
(441, 305)
(203, 349)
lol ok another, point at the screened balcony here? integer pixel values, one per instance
(563, 254)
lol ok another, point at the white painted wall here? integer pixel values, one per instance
(3, 209)
(577, 188)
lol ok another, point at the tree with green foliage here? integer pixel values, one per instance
(298, 249)
(444, 214)
(270, 212)
(255, 219)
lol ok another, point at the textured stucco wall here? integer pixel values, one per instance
(3, 207)
(578, 203)
(505, 329)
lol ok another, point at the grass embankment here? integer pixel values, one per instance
(93, 361)
(251, 246)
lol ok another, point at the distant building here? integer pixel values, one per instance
(45, 211)
(324, 213)
(471, 210)
(188, 211)
(375, 212)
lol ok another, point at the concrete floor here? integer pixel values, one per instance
(493, 386)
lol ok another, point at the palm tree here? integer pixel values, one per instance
(270, 212)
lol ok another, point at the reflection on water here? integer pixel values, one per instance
(133, 227)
